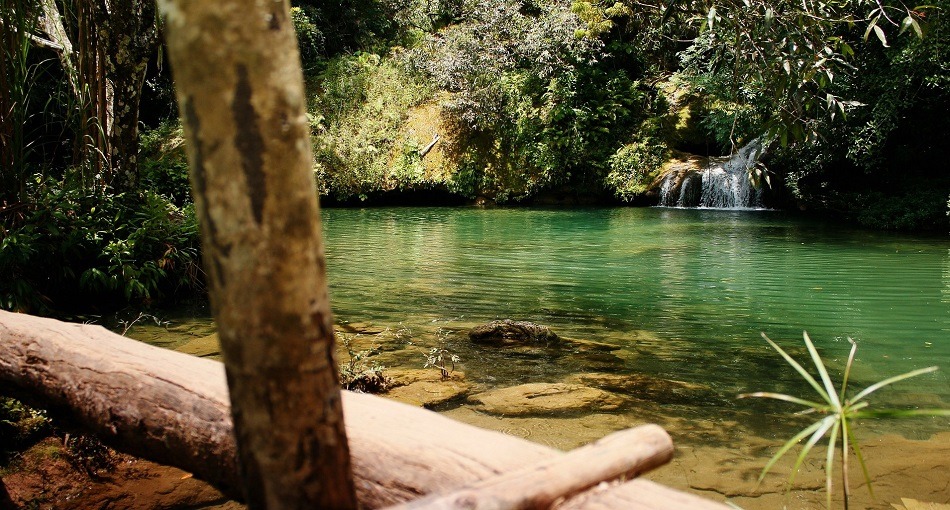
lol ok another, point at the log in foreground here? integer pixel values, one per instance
(173, 408)
(622, 454)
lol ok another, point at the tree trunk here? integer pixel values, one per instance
(131, 39)
(173, 408)
(240, 91)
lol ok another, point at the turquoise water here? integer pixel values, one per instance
(671, 301)
(683, 293)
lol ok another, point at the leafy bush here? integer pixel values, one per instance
(310, 39)
(359, 373)
(69, 247)
(531, 104)
(922, 209)
(362, 102)
(163, 163)
(635, 166)
(19, 424)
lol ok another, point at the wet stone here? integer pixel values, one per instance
(545, 398)
(509, 332)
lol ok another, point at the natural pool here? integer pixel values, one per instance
(664, 295)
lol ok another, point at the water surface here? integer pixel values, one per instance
(703, 283)
(671, 295)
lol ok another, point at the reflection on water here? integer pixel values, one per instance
(665, 294)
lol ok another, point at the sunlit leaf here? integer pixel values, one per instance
(879, 32)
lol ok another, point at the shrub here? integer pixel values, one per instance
(163, 163)
(363, 101)
(69, 247)
(19, 424)
(635, 166)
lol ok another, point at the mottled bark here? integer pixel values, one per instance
(240, 92)
(130, 39)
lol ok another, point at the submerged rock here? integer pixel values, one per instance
(509, 332)
(426, 388)
(545, 398)
(645, 387)
(204, 347)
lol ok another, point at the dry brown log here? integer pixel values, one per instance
(627, 453)
(173, 408)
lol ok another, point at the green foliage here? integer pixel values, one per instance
(349, 25)
(792, 53)
(310, 39)
(839, 410)
(362, 103)
(531, 105)
(359, 372)
(921, 209)
(163, 165)
(635, 166)
(19, 424)
(16, 71)
(69, 245)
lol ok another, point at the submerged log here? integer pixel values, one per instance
(173, 408)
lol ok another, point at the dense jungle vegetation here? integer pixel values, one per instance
(461, 101)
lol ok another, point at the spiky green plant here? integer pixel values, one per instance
(839, 411)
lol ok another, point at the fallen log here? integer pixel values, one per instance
(173, 408)
(622, 454)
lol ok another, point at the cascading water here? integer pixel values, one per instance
(723, 184)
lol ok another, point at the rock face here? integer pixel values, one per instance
(545, 398)
(509, 332)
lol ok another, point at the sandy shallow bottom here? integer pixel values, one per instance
(898, 467)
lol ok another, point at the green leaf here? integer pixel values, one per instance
(788, 446)
(798, 368)
(785, 398)
(879, 32)
(823, 425)
(900, 413)
(829, 387)
(829, 461)
(864, 467)
(847, 367)
(917, 29)
(871, 26)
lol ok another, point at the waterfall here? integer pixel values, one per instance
(723, 184)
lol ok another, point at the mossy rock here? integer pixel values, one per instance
(545, 399)
(425, 387)
(645, 387)
(203, 347)
(509, 332)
